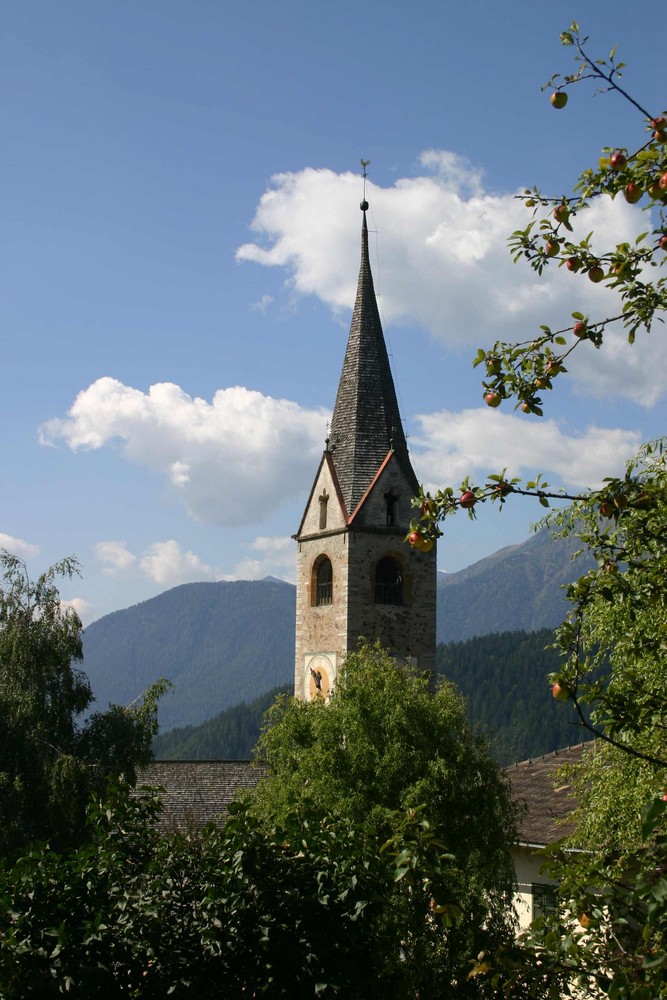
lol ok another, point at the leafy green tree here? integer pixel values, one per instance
(49, 764)
(608, 939)
(305, 908)
(383, 744)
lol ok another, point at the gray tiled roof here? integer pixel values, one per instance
(366, 419)
(197, 791)
(547, 803)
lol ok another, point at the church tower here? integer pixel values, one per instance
(356, 576)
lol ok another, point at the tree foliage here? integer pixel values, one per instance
(49, 763)
(384, 744)
(608, 937)
(306, 907)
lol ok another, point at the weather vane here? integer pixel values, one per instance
(364, 174)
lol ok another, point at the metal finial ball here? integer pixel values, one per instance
(364, 206)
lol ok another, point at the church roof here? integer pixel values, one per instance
(366, 422)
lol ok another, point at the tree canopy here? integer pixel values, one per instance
(49, 761)
(384, 743)
(609, 936)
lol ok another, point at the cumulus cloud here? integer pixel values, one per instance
(449, 446)
(17, 547)
(165, 562)
(276, 557)
(232, 461)
(168, 564)
(116, 555)
(441, 261)
(78, 604)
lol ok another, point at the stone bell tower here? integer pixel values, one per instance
(355, 574)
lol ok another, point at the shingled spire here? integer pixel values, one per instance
(366, 422)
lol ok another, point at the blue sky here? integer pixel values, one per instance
(180, 246)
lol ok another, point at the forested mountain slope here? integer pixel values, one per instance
(503, 677)
(518, 587)
(219, 644)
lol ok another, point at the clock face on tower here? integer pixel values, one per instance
(319, 675)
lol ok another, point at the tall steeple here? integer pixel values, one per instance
(355, 574)
(366, 421)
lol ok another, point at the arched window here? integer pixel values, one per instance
(324, 582)
(388, 581)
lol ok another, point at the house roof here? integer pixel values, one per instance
(366, 421)
(198, 791)
(547, 803)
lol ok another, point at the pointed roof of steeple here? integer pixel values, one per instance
(366, 422)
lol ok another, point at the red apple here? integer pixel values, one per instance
(552, 248)
(413, 538)
(596, 274)
(493, 399)
(618, 160)
(632, 193)
(560, 692)
(660, 127)
(526, 408)
(558, 99)
(541, 382)
(561, 213)
(467, 499)
(663, 243)
(620, 501)
(606, 508)
(573, 264)
(663, 182)
(580, 330)
(554, 368)
(585, 921)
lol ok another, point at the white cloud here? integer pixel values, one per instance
(166, 563)
(230, 462)
(116, 554)
(17, 547)
(442, 262)
(277, 558)
(263, 304)
(78, 604)
(450, 446)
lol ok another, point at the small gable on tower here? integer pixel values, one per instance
(356, 577)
